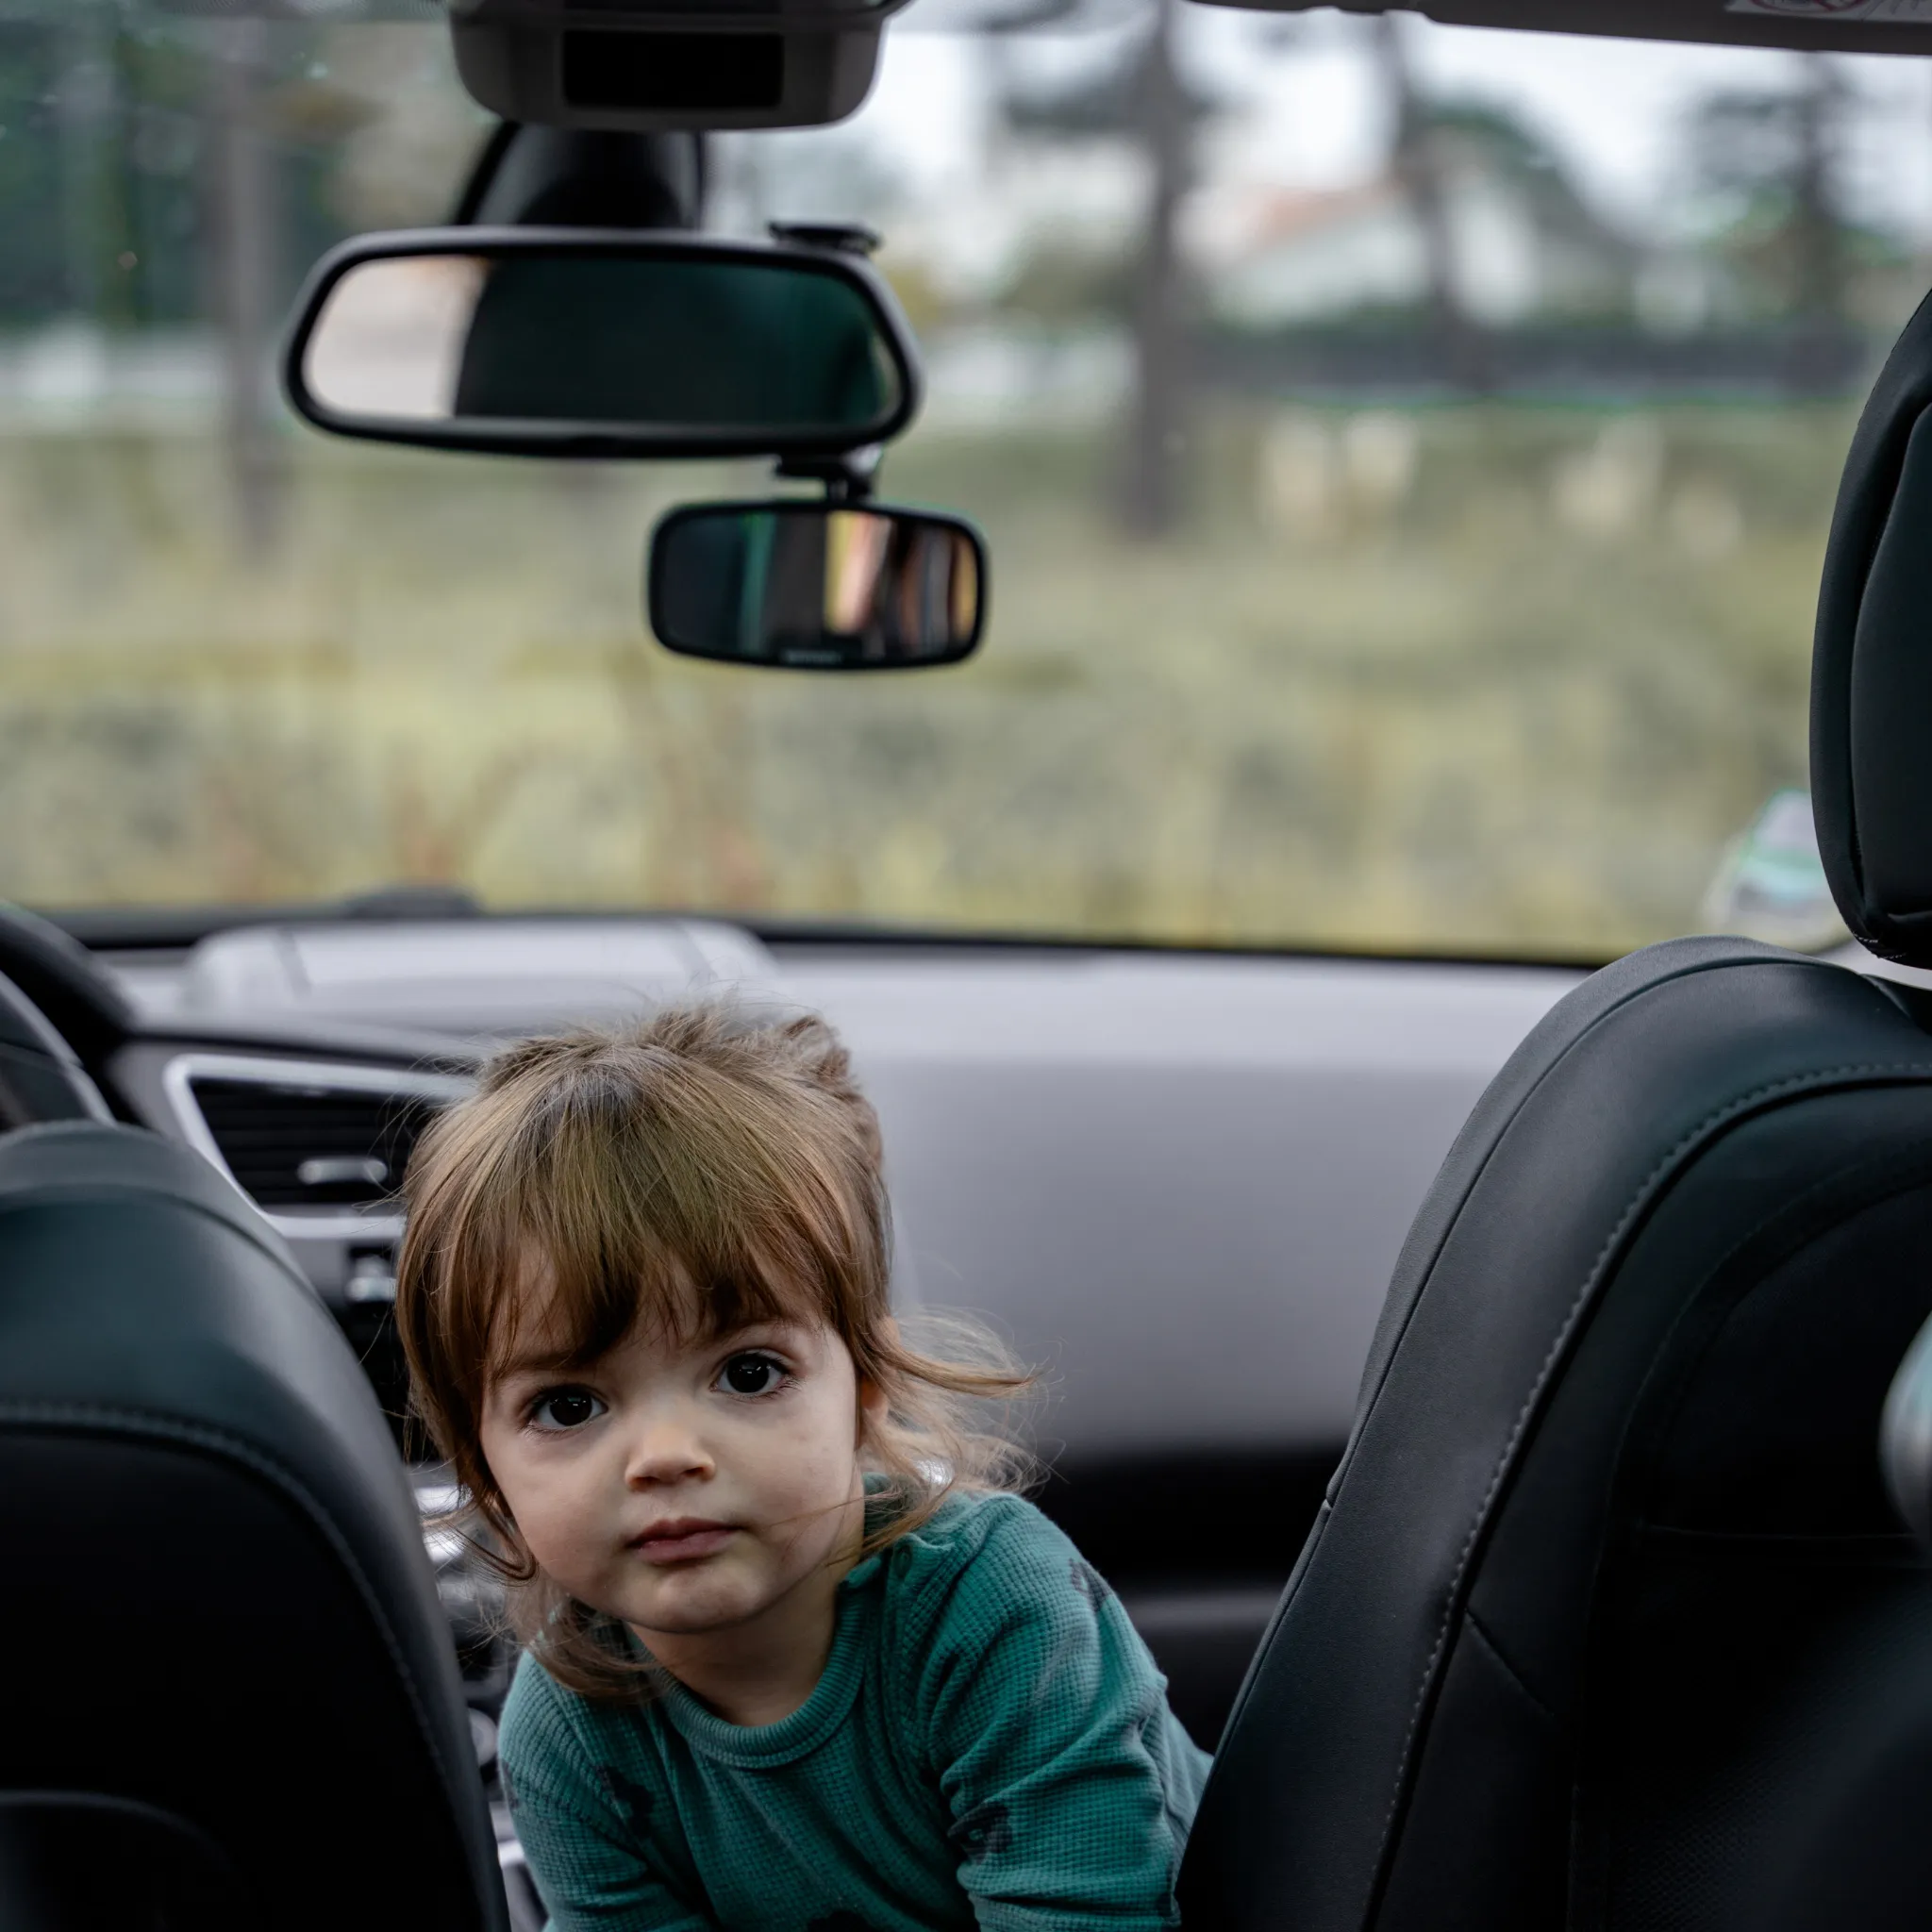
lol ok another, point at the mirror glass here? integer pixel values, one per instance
(816, 587)
(546, 341)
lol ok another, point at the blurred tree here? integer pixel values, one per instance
(158, 144)
(1150, 494)
(1143, 100)
(1771, 167)
(1417, 161)
(242, 268)
(86, 109)
(107, 170)
(164, 174)
(1487, 136)
(33, 269)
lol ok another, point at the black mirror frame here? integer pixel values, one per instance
(593, 442)
(686, 511)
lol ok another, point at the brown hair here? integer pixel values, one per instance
(707, 1167)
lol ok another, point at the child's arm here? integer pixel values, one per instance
(1071, 1783)
(580, 1829)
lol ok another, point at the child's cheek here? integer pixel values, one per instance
(557, 1527)
(804, 1485)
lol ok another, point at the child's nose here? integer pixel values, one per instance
(666, 1450)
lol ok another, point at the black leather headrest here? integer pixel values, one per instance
(223, 1613)
(1872, 667)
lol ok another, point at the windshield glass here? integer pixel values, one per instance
(1404, 453)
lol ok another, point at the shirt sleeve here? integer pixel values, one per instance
(580, 1827)
(1069, 1784)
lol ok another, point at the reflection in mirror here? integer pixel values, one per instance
(817, 587)
(653, 342)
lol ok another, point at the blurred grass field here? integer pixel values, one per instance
(1484, 677)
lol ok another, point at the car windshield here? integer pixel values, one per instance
(1406, 456)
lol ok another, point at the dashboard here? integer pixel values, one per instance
(1175, 1183)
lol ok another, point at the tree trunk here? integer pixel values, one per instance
(1818, 252)
(85, 107)
(1462, 349)
(1150, 496)
(242, 275)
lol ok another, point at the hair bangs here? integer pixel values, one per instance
(692, 1217)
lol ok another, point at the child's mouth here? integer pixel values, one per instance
(682, 1540)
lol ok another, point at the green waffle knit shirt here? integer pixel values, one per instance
(989, 1746)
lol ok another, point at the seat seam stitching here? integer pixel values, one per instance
(1689, 970)
(1368, 1398)
(116, 1420)
(1515, 1676)
(1792, 1085)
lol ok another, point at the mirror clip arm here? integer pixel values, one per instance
(848, 477)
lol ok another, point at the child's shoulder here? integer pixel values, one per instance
(989, 1609)
(545, 1722)
(538, 1712)
(968, 1523)
(980, 1549)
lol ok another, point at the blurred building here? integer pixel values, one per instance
(1523, 245)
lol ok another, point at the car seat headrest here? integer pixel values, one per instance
(1871, 666)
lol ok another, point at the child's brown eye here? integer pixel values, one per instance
(752, 1375)
(564, 1409)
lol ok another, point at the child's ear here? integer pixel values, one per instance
(872, 1408)
(874, 1404)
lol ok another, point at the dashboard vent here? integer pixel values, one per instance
(291, 1144)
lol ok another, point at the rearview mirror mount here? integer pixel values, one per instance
(638, 67)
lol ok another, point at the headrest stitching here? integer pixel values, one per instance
(1719, 1118)
(82, 1418)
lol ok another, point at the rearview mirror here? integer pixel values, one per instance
(817, 586)
(549, 342)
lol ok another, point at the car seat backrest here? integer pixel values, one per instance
(1609, 1566)
(1853, 1850)
(231, 1698)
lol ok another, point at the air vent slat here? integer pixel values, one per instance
(269, 1134)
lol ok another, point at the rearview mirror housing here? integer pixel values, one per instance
(576, 343)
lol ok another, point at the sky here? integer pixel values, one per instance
(1614, 109)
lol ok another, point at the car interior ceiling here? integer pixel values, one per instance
(1614, 1612)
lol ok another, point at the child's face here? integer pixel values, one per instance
(686, 1488)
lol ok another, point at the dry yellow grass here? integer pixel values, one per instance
(1516, 701)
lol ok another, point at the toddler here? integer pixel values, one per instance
(798, 1658)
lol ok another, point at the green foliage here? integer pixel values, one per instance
(107, 166)
(33, 270)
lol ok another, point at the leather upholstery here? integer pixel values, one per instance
(1609, 1560)
(41, 1079)
(1871, 666)
(1853, 1851)
(227, 1677)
